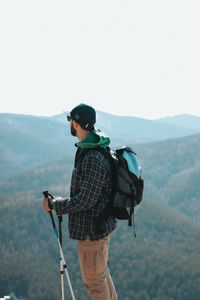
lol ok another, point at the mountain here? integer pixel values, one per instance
(54, 175)
(171, 170)
(185, 121)
(161, 263)
(28, 141)
(132, 129)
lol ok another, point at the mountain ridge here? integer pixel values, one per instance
(32, 140)
(184, 120)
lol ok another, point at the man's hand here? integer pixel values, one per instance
(46, 205)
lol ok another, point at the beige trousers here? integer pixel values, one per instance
(93, 257)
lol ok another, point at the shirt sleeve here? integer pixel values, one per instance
(93, 178)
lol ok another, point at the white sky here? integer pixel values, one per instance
(126, 57)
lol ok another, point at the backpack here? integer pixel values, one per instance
(127, 185)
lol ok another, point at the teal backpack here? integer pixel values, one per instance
(127, 185)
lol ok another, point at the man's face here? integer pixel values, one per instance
(73, 130)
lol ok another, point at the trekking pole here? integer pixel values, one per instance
(61, 263)
(64, 265)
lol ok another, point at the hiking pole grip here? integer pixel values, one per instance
(45, 193)
(46, 196)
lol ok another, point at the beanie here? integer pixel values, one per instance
(84, 115)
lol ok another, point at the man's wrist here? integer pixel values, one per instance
(53, 203)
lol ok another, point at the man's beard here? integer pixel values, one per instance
(73, 130)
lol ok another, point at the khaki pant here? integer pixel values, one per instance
(93, 257)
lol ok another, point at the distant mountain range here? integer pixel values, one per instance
(184, 121)
(137, 130)
(29, 141)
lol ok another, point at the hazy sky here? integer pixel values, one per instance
(126, 57)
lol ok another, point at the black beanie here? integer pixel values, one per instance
(84, 115)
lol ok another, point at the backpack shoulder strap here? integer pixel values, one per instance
(111, 157)
(80, 153)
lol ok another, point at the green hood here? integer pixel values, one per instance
(96, 138)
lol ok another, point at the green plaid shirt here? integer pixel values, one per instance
(91, 186)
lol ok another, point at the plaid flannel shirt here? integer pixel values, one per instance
(90, 191)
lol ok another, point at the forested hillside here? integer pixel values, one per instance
(172, 171)
(162, 263)
(28, 141)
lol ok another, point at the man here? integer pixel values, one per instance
(90, 191)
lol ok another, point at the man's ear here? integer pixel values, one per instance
(76, 125)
